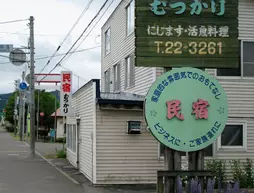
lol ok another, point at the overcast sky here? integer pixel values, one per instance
(53, 20)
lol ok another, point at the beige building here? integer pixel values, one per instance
(108, 140)
(59, 124)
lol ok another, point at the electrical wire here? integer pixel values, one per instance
(13, 21)
(74, 25)
(45, 57)
(26, 34)
(59, 63)
(91, 29)
(74, 73)
(13, 33)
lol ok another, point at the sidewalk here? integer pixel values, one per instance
(64, 167)
(20, 173)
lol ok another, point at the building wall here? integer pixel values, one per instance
(123, 158)
(83, 102)
(239, 91)
(60, 128)
(70, 155)
(121, 47)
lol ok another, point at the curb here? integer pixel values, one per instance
(62, 172)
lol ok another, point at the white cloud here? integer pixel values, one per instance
(53, 20)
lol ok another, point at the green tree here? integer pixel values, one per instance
(10, 108)
(47, 105)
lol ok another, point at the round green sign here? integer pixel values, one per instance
(186, 109)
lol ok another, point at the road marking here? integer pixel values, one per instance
(13, 151)
(14, 154)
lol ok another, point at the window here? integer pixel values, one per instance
(71, 137)
(246, 68)
(162, 149)
(107, 81)
(248, 59)
(117, 80)
(74, 139)
(129, 71)
(208, 151)
(130, 17)
(233, 136)
(107, 42)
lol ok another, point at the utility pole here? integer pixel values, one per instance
(32, 102)
(15, 108)
(38, 114)
(20, 115)
(23, 117)
(55, 124)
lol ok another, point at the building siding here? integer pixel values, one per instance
(60, 128)
(121, 47)
(246, 19)
(71, 156)
(123, 158)
(118, 158)
(84, 108)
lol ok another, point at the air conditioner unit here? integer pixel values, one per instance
(134, 127)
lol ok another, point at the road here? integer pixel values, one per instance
(19, 173)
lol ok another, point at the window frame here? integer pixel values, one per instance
(233, 148)
(71, 138)
(117, 74)
(128, 33)
(107, 80)
(161, 157)
(241, 64)
(131, 76)
(107, 42)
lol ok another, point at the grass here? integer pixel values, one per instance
(50, 156)
(17, 137)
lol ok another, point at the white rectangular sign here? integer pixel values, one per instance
(6, 47)
(65, 94)
(47, 87)
(48, 78)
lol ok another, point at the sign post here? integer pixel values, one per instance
(186, 110)
(193, 34)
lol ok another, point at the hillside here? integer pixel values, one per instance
(4, 98)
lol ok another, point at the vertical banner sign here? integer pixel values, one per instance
(65, 95)
(194, 33)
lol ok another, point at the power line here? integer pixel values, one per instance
(81, 15)
(13, 21)
(26, 34)
(11, 33)
(75, 74)
(91, 29)
(59, 63)
(45, 57)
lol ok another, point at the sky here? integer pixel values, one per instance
(53, 21)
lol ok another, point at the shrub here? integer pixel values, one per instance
(238, 172)
(249, 174)
(243, 173)
(60, 153)
(218, 168)
(61, 140)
